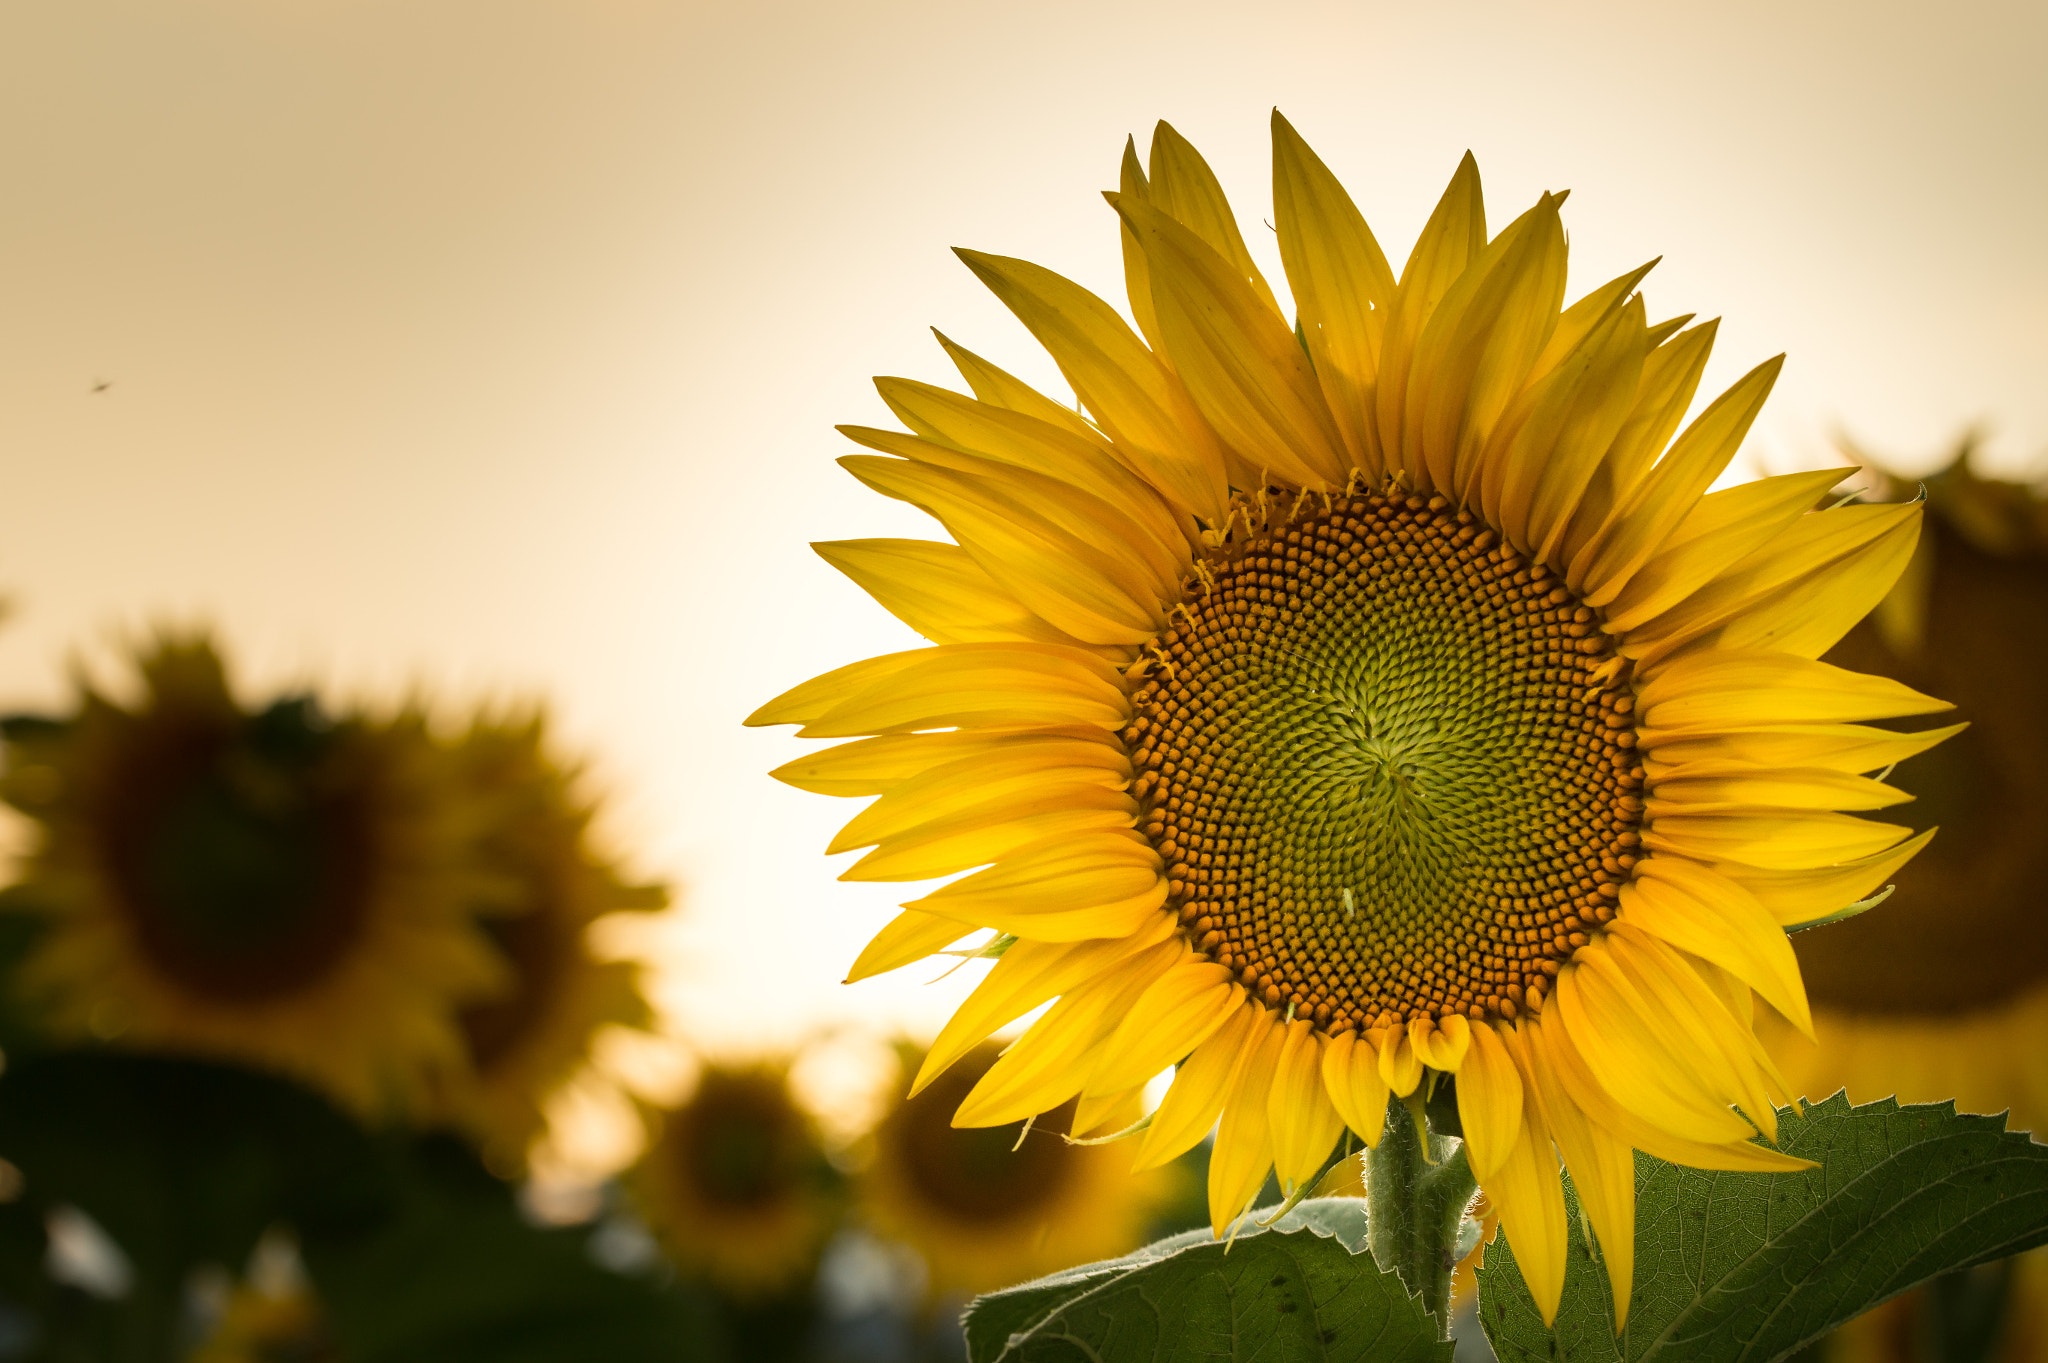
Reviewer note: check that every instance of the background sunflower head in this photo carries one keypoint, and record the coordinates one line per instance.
(1945, 992)
(265, 885)
(547, 884)
(989, 1206)
(736, 1186)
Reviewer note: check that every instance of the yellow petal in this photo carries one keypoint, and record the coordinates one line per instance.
(1241, 364)
(1668, 493)
(1351, 1076)
(1489, 1102)
(1107, 1113)
(980, 836)
(873, 766)
(1117, 917)
(1611, 368)
(980, 685)
(1195, 1098)
(1848, 748)
(1026, 442)
(1813, 614)
(1603, 1173)
(1529, 1196)
(1014, 773)
(1705, 913)
(1183, 1008)
(938, 590)
(910, 936)
(1341, 283)
(1548, 447)
(1051, 547)
(1640, 1056)
(1186, 190)
(1722, 530)
(1304, 1124)
(1475, 352)
(1443, 1045)
(1134, 398)
(1723, 1049)
(1586, 316)
(1792, 840)
(1243, 1153)
(1046, 1065)
(816, 697)
(1454, 235)
(1400, 1067)
(1098, 885)
(1132, 184)
(1796, 897)
(1028, 974)
(1556, 1050)
(1725, 688)
(1782, 788)
(1671, 375)
(1003, 389)
(1779, 583)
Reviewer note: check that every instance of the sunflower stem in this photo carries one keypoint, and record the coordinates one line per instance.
(1417, 1187)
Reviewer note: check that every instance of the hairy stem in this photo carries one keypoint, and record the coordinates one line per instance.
(1417, 1186)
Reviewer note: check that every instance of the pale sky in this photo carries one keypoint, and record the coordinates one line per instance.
(491, 349)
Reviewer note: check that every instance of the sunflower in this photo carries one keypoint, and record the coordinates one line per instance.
(550, 887)
(985, 1207)
(1349, 703)
(736, 1185)
(1945, 993)
(259, 886)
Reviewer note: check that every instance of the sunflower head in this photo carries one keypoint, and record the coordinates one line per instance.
(736, 1184)
(265, 885)
(548, 885)
(989, 1206)
(1344, 702)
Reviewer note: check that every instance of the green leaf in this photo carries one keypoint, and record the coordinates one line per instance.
(418, 1255)
(1301, 1289)
(456, 1275)
(1750, 1267)
(183, 1163)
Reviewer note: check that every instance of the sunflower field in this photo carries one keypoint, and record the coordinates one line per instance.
(1442, 864)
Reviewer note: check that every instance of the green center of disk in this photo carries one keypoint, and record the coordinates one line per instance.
(1388, 764)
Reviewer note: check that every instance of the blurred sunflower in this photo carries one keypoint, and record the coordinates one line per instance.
(261, 886)
(550, 886)
(736, 1185)
(1945, 993)
(1358, 700)
(985, 1208)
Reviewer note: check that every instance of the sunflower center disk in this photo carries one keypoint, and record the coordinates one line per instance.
(1388, 765)
(241, 866)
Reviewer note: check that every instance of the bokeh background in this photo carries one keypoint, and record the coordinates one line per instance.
(490, 349)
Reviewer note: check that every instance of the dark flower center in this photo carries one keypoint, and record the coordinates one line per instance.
(240, 850)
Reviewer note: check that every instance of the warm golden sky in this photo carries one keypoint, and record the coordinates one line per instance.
(493, 348)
